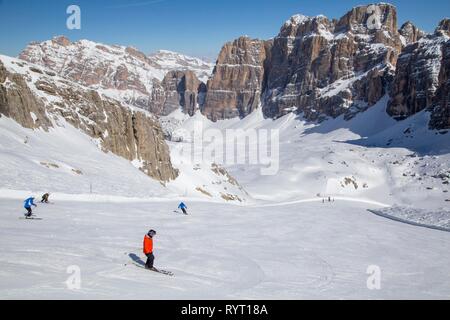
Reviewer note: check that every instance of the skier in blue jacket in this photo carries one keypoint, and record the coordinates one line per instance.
(27, 205)
(183, 208)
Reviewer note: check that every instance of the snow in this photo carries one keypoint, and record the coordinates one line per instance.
(309, 250)
(296, 20)
(38, 162)
(281, 239)
(439, 220)
(371, 157)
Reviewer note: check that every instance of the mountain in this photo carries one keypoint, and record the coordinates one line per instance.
(66, 136)
(41, 100)
(124, 73)
(315, 69)
(422, 79)
(322, 68)
(173, 61)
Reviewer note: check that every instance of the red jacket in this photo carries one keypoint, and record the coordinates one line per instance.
(148, 245)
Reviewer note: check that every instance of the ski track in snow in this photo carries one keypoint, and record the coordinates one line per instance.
(292, 251)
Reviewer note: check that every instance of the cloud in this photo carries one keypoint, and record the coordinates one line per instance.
(135, 4)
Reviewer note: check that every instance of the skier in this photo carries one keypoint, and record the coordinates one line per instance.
(45, 198)
(27, 205)
(183, 208)
(148, 250)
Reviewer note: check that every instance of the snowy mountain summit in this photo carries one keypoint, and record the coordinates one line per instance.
(169, 60)
(122, 72)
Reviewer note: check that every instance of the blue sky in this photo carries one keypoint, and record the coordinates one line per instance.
(195, 27)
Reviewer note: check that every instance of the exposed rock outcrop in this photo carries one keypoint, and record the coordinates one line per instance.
(315, 66)
(410, 33)
(19, 103)
(43, 102)
(235, 88)
(443, 28)
(182, 88)
(440, 116)
(325, 68)
(421, 79)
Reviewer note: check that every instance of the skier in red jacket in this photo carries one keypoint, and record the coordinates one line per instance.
(148, 249)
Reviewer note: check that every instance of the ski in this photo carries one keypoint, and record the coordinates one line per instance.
(164, 272)
(31, 218)
(167, 273)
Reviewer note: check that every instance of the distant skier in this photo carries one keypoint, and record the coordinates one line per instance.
(45, 198)
(27, 205)
(183, 208)
(148, 249)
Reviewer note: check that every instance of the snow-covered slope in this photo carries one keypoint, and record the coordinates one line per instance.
(284, 241)
(369, 157)
(75, 137)
(66, 160)
(169, 60)
(220, 251)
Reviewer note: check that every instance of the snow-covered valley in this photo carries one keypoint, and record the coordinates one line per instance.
(314, 165)
(284, 240)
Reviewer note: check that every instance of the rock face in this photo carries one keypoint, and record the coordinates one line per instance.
(315, 66)
(124, 73)
(410, 33)
(323, 68)
(421, 79)
(19, 103)
(236, 85)
(39, 99)
(327, 68)
(440, 117)
(444, 28)
(182, 88)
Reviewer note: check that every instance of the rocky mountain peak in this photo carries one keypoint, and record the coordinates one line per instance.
(124, 73)
(315, 65)
(62, 41)
(234, 89)
(300, 25)
(357, 20)
(182, 89)
(410, 33)
(444, 27)
(421, 79)
(36, 97)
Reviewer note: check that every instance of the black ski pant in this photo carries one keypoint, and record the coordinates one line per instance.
(30, 212)
(150, 260)
(184, 210)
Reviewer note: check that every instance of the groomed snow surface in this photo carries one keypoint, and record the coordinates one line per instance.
(299, 251)
(282, 242)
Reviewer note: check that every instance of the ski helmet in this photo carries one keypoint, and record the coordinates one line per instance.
(151, 233)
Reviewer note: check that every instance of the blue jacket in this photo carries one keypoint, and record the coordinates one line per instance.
(28, 203)
(182, 206)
